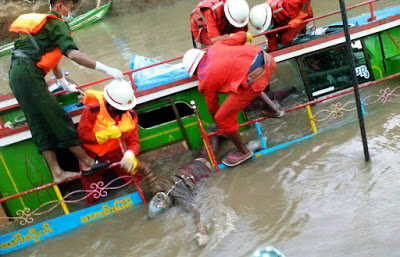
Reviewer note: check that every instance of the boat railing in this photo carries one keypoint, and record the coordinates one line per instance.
(370, 3)
(385, 96)
(97, 190)
(130, 72)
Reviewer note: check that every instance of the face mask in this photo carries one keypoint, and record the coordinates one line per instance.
(70, 16)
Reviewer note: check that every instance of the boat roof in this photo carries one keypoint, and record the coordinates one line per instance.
(379, 14)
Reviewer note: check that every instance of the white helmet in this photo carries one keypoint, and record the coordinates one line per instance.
(191, 60)
(237, 12)
(260, 17)
(120, 95)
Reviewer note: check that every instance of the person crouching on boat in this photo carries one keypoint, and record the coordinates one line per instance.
(243, 71)
(44, 38)
(108, 121)
(181, 187)
(213, 20)
(279, 13)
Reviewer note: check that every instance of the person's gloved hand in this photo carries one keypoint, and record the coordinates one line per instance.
(115, 73)
(66, 85)
(129, 162)
(103, 136)
(296, 22)
(249, 37)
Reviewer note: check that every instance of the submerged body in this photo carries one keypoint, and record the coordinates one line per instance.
(181, 188)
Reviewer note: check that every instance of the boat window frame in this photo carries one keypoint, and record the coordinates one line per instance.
(163, 106)
(304, 74)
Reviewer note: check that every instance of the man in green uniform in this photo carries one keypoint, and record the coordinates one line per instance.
(50, 125)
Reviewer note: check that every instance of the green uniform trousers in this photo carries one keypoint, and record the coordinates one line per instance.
(50, 125)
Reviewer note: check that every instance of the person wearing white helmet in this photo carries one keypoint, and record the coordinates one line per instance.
(243, 71)
(213, 20)
(108, 118)
(279, 13)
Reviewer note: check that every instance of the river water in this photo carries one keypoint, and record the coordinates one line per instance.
(315, 198)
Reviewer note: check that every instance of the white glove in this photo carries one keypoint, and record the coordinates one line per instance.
(115, 73)
(66, 85)
(129, 162)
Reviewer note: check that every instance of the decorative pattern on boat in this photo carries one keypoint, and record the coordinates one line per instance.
(35, 233)
(98, 190)
(338, 109)
(386, 96)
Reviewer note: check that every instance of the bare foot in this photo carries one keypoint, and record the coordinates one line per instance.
(64, 176)
(87, 165)
(273, 115)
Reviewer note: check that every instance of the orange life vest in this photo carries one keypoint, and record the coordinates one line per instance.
(32, 23)
(104, 121)
(217, 8)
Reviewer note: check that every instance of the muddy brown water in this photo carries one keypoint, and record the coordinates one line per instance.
(315, 198)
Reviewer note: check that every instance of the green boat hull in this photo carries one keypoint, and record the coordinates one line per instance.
(29, 169)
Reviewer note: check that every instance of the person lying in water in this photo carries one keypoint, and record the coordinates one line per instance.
(180, 188)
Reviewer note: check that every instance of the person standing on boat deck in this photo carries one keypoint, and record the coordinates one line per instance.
(108, 118)
(280, 13)
(243, 71)
(213, 20)
(44, 39)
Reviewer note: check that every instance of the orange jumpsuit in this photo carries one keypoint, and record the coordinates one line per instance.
(208, 21)
(224, 69)
(283, 11)
(85, 131)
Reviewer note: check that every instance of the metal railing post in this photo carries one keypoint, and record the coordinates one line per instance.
(371, 8)
(204, 136)
(311, 119)
(135, 181)
(260, 135)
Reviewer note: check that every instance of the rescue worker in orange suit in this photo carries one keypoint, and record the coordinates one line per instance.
(107, 120)
(213, 20)
(278, 13)
(243, 72)
(44, 39)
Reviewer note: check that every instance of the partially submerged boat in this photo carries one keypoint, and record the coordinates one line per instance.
(78, 22)
(166, 115)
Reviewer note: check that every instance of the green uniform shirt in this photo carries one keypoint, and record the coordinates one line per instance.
(54, 34)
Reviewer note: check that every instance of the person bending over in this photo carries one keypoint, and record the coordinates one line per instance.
(213, 20)
(243, 72)
(44, 38)
(274, 14)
